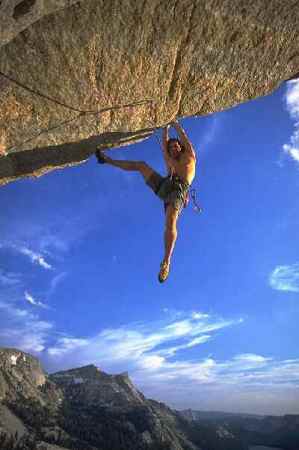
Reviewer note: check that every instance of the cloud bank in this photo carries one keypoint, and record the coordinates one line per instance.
(158, 359)
(163, 360)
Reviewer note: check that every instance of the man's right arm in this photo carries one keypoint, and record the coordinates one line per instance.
(165, 138)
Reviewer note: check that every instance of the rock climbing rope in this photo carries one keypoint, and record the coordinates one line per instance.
(67, 106)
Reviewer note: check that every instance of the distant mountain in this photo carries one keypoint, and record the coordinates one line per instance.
(191, 414)
(87, 409)
(273, 431)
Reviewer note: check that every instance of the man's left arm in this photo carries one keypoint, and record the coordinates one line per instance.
(184, 139)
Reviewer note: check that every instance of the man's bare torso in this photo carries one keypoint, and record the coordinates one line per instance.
(184, 167)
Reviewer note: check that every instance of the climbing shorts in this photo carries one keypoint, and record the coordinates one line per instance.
(172, 190)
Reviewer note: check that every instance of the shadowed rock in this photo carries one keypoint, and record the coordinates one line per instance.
(38, 161)
(23, 8)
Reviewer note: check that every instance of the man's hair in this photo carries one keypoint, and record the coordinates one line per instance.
(174, 140)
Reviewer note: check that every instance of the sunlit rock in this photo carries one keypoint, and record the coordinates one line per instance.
(187, 58)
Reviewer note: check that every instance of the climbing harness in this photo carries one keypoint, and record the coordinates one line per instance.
(65, 105)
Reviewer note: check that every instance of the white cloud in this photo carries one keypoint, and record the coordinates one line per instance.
(147, 351)
(292, 98)
(30, 299)
(196, 341)
(292, 151)
(133, 343)
(67, 344)
(250, 357)
(22, 329)
(151, 362)
(292, 103)
(199, 315)
(156, 356)
(34, 257)
(285, 278)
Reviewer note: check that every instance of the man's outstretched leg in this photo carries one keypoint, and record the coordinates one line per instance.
(131, 166)
(170, 236)
(172, 214)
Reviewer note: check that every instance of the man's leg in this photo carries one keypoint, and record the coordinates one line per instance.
(131, 166)
(170, 236)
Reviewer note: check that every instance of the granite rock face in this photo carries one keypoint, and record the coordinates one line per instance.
(20, 374)
(17, 15)
(189, 57)
(90, 385)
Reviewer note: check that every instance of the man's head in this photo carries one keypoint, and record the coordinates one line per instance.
(174, 148)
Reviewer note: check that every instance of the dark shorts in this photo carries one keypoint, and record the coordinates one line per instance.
(172, 191)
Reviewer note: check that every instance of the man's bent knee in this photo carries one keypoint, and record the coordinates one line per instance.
(145, 169)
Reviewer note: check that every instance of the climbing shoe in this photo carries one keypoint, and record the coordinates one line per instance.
(164, 272)
(100, 156)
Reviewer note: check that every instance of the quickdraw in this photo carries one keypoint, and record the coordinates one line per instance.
(196, 205)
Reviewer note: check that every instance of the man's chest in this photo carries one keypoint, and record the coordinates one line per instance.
(182, 163)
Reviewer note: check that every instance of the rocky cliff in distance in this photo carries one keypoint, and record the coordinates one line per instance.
(189, 57)
(19, 373)
(103, 389)
(87, 409)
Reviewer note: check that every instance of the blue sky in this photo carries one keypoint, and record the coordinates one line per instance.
(80, 251)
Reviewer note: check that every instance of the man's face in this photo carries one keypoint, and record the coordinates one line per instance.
(174, 149)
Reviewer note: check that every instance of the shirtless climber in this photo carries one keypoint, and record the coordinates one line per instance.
(173, 189)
